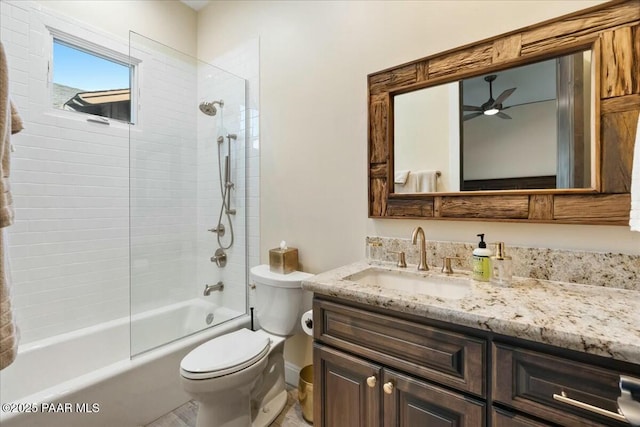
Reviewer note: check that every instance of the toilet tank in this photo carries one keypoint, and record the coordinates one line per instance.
(279, 300)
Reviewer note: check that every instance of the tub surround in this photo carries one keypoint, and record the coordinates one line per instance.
(595, 320)
(106, 375)
(609, 270)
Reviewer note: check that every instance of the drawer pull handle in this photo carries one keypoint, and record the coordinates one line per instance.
(371, 381)
(388, 387)
(562, 397)
(628, 406)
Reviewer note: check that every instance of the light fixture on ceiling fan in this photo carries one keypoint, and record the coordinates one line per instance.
(493, 107)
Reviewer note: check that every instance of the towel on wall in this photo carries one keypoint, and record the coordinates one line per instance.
(419, 182)
(634, 217)
(400, 177)
(426, 181)
(10, 124)
(8, 330)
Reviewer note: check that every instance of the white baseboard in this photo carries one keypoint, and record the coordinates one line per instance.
(291, 373)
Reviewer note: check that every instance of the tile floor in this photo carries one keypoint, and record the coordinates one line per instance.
(185, 416)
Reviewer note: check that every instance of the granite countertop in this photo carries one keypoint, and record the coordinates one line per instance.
(592, 319)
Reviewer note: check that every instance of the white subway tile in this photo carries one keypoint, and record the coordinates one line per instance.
(78, 231)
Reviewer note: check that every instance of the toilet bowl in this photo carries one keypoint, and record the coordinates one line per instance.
(238, 378)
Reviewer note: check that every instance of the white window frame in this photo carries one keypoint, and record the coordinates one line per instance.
(101, 52)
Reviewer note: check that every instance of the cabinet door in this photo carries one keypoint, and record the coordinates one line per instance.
(347, 390)
(409, 402)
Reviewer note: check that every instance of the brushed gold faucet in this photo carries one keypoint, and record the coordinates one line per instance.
(418, 234)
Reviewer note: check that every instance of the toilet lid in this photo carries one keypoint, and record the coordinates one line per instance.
(264, 275)
(225, 354)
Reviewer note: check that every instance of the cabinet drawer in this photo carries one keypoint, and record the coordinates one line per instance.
(528, 380)
(501, 418)
(449, 358)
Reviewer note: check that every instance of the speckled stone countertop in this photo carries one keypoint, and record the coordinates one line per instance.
(591, 319)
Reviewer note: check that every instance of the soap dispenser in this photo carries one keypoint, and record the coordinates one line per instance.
(502, 266)
(481, 261)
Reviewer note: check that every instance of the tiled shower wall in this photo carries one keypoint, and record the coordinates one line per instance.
(69, 247)
(243, 61)
(163, 174)
(69, 244)
(217, 85)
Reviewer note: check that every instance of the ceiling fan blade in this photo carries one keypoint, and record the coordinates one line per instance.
(471, 116)
(503, 115)
(504, 95)
(471, 108)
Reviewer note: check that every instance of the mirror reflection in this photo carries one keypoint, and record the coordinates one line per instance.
(528, 127)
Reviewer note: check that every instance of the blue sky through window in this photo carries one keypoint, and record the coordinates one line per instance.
(82, 70)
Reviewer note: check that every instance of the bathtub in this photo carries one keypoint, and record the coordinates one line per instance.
(86, 378)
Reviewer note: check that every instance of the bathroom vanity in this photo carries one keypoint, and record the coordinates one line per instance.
(393, 347)
(535, 353)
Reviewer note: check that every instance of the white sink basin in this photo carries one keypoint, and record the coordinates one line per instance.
(436, 286)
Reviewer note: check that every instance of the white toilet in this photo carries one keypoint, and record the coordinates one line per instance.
(238, 378)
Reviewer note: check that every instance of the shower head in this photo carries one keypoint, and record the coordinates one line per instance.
(209, 108)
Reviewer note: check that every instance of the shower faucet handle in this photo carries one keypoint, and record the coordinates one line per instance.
(220, 258)
(219, 230)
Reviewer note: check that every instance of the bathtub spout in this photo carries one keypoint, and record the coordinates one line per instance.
(210, 288)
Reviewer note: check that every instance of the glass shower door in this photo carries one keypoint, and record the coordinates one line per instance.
(187, 184)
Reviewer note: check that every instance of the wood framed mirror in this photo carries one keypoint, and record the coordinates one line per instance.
(610, 33)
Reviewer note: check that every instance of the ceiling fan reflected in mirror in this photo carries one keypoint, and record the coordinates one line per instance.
(493, 107)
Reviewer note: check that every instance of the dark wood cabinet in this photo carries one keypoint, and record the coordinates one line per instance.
(409, 402)
(449, 358)
(342, 396)
(502, 418)
(375, 367)
(357, 393)
(554, 388)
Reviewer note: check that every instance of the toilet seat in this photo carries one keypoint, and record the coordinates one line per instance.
(225, 355)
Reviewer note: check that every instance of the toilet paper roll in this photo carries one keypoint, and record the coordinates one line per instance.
(307, 322)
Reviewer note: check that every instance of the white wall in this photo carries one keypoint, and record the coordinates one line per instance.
(167, 21)
(520, 147)
(421, 132)
(314, 59)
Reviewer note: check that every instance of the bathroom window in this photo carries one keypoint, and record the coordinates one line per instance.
(91, 80)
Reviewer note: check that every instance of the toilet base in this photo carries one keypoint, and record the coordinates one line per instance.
(229, 411)
(269, 412)
(252, 397)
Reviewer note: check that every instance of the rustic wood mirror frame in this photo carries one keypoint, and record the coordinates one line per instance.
(612, 30)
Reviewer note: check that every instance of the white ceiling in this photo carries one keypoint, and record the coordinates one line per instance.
(196, 4)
